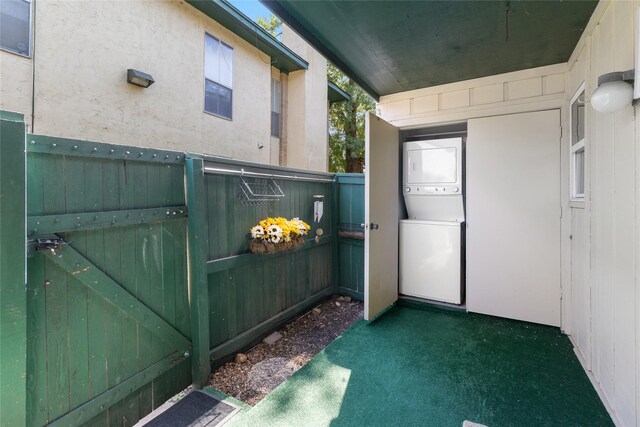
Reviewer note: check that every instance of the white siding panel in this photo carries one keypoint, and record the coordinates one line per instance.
(624, 208)
(580, 295)
(527, 88)
(396, 109)
(603, 255)
(553, 84)
(487, 94)
(457, 99)
(424, 104)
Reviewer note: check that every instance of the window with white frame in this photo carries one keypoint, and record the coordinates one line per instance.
(218, 77)
(15, 26)
(276, 107)
(577, 148)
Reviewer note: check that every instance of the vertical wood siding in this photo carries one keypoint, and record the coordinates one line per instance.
(604, 322)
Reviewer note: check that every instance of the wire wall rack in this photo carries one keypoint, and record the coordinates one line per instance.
(255, 191)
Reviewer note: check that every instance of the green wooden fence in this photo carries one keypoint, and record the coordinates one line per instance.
(350, 188)
(113, 322)
(107, 314)
(250, 294)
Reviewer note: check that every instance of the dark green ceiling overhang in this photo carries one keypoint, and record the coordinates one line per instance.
(395, 46)
(235, 21)
(335, 94)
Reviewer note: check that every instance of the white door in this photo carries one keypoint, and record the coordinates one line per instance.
(513, 216)
(380, 215)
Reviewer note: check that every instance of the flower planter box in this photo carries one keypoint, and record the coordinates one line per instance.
(264, 247)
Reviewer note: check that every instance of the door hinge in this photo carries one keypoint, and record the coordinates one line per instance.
(560, 131)
(560, 211)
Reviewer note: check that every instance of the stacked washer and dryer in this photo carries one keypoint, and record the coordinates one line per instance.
(431, 239)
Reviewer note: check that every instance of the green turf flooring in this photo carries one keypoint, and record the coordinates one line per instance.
(430, 367)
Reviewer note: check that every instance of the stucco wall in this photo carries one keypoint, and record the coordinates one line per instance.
(15, 84)
(84, 49)
(82, 52)
(307, 130)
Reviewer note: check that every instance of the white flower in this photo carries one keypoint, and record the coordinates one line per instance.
(257, 232)
(275, 233)
(301, 227)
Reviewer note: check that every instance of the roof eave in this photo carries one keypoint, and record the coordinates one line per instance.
(336, 94)
(235, 21)
(277, 9)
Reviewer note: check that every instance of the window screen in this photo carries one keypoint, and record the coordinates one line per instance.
(15, 26)
(218, 77)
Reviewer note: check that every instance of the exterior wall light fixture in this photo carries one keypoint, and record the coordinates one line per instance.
(614, 92)
(139, 78)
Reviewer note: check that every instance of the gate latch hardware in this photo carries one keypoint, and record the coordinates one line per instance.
(45, 243)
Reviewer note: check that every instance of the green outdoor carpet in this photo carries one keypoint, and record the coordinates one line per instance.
(431, 367)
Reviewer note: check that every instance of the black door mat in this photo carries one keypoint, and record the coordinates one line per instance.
(196, 409)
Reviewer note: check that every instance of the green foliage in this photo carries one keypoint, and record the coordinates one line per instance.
(346, 124)
(272, 24)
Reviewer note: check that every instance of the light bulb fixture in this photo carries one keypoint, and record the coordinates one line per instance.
(139, 78)
(614, 92)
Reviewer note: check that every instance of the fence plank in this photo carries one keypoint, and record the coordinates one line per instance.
(198, 244)
(37, 403)
(13, 298)
(78, 334)
(57, 341)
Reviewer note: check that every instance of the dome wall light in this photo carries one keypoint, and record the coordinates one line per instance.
(614, 92)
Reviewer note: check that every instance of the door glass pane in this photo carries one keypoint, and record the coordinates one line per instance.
(577, 119)
(579, 172)
(15, 17)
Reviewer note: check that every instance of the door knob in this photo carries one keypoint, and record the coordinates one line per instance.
(374, 226)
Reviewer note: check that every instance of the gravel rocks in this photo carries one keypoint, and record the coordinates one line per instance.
(266, 366)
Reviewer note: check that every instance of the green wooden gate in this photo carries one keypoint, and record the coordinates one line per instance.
(108, 327)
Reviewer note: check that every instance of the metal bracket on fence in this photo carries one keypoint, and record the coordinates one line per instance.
(49, 242)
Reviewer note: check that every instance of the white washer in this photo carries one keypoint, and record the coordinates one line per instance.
(430, 260)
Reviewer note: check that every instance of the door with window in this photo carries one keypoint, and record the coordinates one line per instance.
(580, 286)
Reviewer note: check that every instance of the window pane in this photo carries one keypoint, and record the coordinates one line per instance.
(577, 119)
(276, 96)
(212, 59)
(217, 99)
(15, 16)
(579, 172)
(275, 124)
(226, 66)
